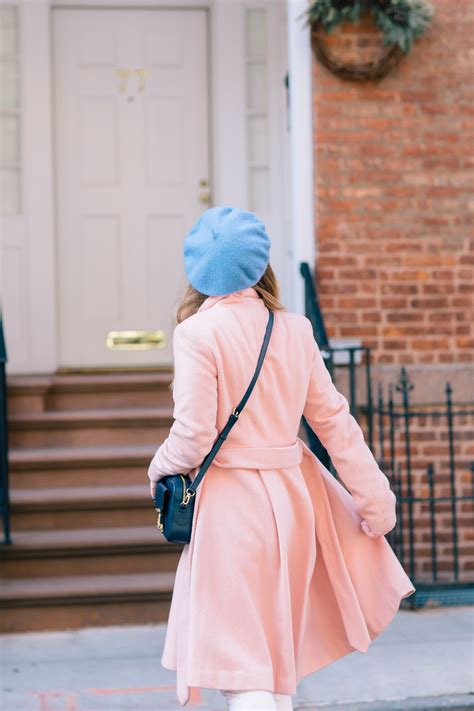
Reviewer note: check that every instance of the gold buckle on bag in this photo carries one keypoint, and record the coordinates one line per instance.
(159, 523)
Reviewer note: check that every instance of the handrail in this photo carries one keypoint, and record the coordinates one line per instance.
(314, 313)
(312, 308)
(4, 490)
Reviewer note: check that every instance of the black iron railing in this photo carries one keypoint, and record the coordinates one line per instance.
(312, 308)
(427, 537)
(4, 491)
(314, 313)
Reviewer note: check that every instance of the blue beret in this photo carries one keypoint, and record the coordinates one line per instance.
(226, 250)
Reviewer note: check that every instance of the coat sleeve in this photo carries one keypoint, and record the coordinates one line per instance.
(327, 412)
(194, 430)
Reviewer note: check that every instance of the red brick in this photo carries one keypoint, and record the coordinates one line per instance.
(394, 170)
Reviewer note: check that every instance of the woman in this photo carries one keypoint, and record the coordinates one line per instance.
(286, 571)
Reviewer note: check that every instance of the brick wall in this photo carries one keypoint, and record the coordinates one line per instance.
(393, 173)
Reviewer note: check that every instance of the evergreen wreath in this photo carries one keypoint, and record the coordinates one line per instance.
(401, 22)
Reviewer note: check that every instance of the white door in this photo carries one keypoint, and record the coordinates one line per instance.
(132, 175)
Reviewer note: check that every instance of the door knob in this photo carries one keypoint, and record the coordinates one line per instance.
(205, 197)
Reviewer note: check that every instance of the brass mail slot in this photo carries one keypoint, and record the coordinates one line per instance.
(136, 340)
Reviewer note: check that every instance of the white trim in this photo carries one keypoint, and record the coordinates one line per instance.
(31, 235)
(39, 204)
(301, 145)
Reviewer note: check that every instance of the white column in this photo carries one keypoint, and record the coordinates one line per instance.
(38, 182)
(301, 145)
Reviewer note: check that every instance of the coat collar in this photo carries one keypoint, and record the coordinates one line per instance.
(248, 293)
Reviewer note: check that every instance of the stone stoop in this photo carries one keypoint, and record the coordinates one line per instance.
(85, 548)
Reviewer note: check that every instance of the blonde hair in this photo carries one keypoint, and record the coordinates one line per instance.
(267, 288)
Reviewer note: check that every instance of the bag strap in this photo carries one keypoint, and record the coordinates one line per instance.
(191, 490)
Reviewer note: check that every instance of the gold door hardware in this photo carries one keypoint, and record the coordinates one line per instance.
(143, 75)
(135, 340)
(205, 195)
(124, 75)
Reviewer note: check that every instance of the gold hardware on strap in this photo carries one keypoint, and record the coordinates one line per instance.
(234, 412)
(184, 488)
(187, 496)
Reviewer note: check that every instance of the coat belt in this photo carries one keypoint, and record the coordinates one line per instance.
(260, 457)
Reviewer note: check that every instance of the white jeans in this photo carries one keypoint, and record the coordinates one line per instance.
(257, 700)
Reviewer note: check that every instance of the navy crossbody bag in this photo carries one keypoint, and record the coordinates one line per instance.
(175, 493)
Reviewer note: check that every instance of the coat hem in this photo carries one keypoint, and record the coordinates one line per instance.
(212, 679)
(315, 666)
(266, 681)
(240, 681)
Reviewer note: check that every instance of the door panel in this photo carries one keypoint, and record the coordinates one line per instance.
(131, 102)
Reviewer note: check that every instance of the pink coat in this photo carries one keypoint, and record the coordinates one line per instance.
(278, 579)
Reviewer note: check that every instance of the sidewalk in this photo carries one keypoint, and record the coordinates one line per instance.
(423, 660)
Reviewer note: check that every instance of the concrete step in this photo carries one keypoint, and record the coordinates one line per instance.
(36, 467)
(72, 602)
(75, 428)
(59, 391)
(89, 551)
(79, 507)
(85, 547)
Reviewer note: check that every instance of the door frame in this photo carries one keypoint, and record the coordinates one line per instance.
(38, 147)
